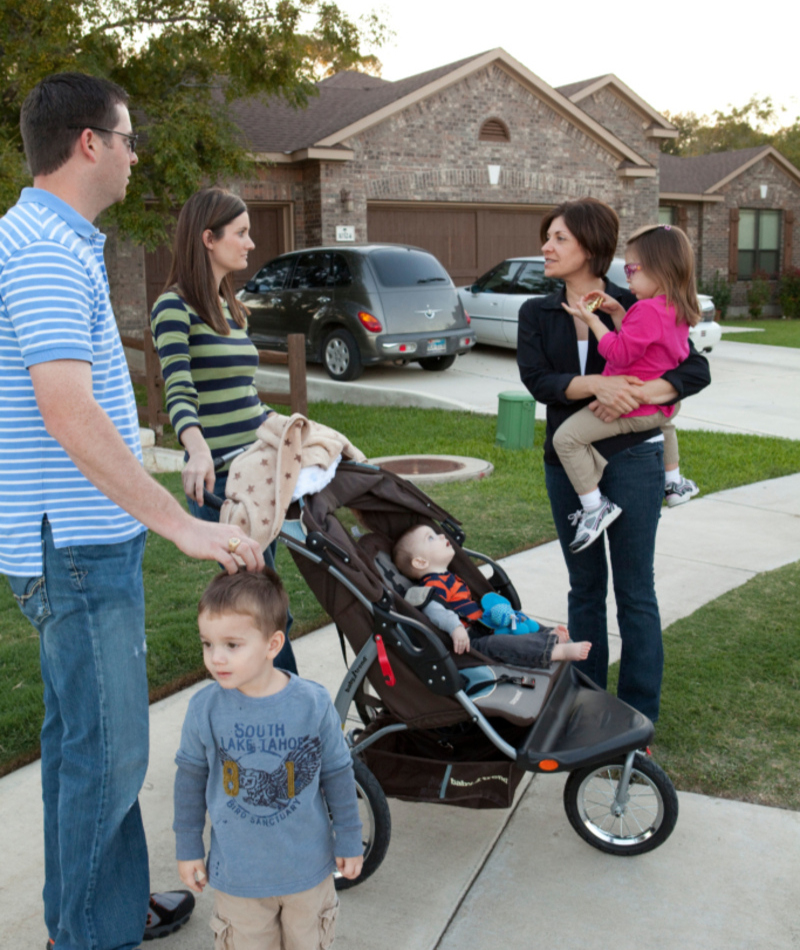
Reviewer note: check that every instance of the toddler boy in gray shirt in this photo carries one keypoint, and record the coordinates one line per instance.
(260, 748)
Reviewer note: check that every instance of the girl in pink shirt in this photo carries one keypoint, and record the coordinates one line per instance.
(649, 340)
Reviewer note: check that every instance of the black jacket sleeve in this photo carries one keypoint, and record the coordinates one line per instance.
(544, 382)
(691, 376)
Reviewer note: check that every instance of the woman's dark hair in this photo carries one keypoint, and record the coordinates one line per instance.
(260, 596)
(58, 109)
(190, 272)
(594, 225)
(667, 258)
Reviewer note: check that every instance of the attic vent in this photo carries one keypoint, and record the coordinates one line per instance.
(493, 130)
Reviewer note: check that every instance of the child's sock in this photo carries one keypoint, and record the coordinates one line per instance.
(591, 500)
(673, 476)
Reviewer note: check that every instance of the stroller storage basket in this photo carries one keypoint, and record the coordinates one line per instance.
(442, 767)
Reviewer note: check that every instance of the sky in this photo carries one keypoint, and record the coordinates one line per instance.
(680, 56)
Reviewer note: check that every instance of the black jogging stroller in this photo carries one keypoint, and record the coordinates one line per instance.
(459, 729)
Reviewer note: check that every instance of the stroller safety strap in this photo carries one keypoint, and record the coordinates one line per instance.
(383, 660)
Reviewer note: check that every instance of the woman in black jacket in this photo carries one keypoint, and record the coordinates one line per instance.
(560, 365)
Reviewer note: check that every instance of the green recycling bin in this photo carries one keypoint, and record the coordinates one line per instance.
(516, 416)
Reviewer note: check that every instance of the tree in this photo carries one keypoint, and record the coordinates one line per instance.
(787, 142)
(743, 127)
(182, 62)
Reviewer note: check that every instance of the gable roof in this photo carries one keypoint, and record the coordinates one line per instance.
(659, 126)
(345, 98)
(705, 174)
(574, 87)
(349, 103)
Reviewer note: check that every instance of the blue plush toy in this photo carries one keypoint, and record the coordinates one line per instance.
(498, 615)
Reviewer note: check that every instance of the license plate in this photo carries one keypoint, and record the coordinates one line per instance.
(437, 346)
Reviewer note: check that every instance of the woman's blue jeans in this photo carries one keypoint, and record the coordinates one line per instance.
(634, 480)
(88, 607)
(285, 660)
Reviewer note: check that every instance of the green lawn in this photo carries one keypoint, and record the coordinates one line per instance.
(774, 332)
(504, 513)
(730, 711)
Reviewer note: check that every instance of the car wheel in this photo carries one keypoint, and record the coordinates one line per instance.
(435, 364)
(340, 356)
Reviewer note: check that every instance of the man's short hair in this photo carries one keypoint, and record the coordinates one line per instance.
(58, 109)
(262, 597)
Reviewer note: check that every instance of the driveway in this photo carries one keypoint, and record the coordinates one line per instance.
(755, 389)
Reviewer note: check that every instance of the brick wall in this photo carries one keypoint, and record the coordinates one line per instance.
(614, 113)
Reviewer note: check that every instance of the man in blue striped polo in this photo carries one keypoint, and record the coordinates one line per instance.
(75, 503)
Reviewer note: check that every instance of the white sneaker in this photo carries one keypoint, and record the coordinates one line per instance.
(678, 493)
(591, 524)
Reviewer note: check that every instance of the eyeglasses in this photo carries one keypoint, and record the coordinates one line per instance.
(132, 137)
(631, 269)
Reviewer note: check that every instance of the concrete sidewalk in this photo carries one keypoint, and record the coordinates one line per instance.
(725, 880)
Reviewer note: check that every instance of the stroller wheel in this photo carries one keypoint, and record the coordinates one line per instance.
(373, 809)
(643, 822)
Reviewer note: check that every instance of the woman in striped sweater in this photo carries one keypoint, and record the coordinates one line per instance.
(207, 358)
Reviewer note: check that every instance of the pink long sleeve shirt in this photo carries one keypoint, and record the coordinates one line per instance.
(648, 344)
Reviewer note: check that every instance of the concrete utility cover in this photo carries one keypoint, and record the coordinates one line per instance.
(429, 469)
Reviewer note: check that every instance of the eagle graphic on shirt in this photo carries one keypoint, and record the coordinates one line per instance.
(277, 788)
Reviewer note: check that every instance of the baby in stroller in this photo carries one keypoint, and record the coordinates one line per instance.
(423, 555)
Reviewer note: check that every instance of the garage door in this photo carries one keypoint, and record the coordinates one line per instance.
(468, 240)
(267, 228)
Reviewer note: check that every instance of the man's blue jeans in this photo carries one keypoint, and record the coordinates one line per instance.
(88, 608)
(634, 480)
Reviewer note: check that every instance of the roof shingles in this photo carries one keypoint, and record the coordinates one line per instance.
(695, 175)
(274, 126)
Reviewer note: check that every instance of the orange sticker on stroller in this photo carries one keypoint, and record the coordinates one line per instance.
(383, 659)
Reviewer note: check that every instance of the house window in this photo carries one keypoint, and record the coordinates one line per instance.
(667, 214)
(759, 242)
(493, 130)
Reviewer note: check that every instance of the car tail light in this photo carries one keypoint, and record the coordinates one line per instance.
(370, 322)
(466, 341)
(469, 318)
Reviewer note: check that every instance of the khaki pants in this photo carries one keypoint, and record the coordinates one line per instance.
(304, 921)
(583, 464)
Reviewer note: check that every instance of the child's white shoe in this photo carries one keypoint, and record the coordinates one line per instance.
(678, 493)
(592, 523)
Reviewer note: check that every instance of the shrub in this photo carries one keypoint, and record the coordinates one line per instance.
(758, 293)
(789, 292)
(719, 290)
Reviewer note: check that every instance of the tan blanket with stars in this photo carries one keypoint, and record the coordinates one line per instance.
(262, 479)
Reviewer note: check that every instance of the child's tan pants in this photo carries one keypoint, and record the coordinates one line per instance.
(304, 921)
(584, 464)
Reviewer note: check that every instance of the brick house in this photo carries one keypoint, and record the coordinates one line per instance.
(463, 160)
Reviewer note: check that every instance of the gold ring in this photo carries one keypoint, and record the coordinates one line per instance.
(234, 543)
